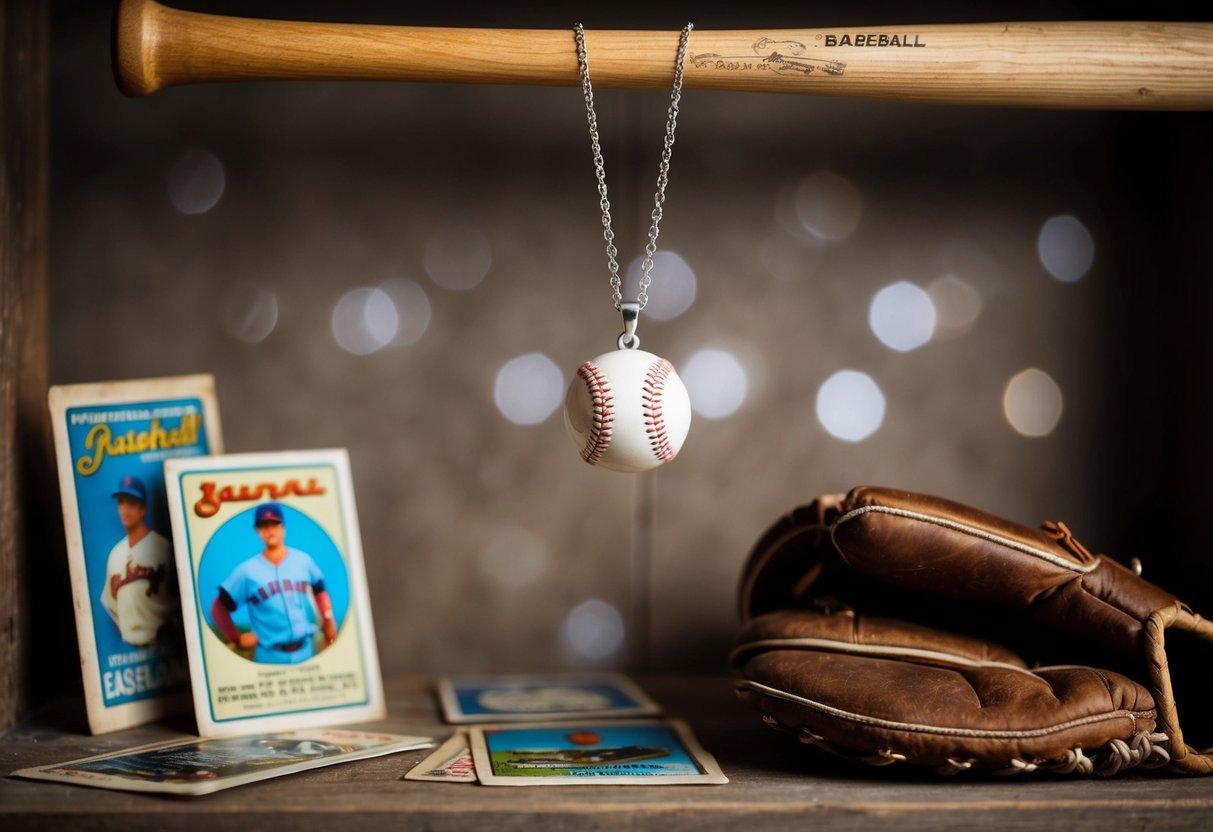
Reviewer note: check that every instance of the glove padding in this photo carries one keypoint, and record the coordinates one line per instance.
(897, 554)
(886, 691)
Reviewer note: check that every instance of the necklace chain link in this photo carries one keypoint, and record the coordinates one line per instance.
(663, 170)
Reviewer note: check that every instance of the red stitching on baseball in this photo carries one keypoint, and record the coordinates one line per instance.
(654, 419)
(603, 405)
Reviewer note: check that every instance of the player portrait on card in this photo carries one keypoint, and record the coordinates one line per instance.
(541, 697)
(648, 752)
(111, 441)
(202, 766)
(277, 618)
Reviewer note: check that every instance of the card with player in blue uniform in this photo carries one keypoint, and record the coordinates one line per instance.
(111, 440)
(275, 603)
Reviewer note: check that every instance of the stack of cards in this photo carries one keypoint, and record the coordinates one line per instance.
(595, 741)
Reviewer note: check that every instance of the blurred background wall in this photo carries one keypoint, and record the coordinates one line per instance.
(1004, 307)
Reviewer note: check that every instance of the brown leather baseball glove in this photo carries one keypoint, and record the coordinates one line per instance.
(889, 626)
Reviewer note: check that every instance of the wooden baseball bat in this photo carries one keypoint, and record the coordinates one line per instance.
(1160, 66)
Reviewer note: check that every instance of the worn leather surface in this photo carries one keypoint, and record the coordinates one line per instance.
(945, 697)
(848, 628)
(1084, 594)
(903, 608)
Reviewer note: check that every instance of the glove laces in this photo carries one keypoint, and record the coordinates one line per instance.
(1061, 533)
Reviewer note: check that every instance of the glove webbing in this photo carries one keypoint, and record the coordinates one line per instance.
(1183, 757)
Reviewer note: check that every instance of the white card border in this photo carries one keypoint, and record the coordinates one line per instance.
(453, 713)
(712, 775)
(375, 707)
(102, 718)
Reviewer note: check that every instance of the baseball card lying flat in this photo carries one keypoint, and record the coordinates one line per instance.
(647, 752)
(451, 762)
(201, 766)
(275, 603)
(525, 698)
(111, 440)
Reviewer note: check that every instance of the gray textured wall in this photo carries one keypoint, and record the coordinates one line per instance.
(482, 536)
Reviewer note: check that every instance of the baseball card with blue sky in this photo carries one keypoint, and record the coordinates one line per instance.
(111, 442)
(275, 604)
(639, 752)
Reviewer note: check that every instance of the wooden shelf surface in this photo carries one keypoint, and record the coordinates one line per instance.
(775, 784)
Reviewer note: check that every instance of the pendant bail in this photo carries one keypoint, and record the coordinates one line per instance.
(628, 339)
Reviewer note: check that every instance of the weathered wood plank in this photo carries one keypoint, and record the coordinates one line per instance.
(24, 430)
(775, 784)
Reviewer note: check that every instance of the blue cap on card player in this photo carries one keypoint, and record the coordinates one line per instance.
(131, 486)
(267, 513)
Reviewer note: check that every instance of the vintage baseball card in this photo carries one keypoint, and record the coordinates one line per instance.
(524, 698)
(275, 603)
(111, 441)
(201, 766)
(451, 762)
(646, 752)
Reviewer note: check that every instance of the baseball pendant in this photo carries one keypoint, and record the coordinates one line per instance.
(627, 410)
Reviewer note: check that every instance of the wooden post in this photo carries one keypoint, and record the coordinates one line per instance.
(26, 470)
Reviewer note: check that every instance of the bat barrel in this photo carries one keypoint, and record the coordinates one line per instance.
(1105, 65)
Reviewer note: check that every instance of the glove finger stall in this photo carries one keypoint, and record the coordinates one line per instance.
(932, 545)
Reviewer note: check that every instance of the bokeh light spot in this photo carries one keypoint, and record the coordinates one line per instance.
(1066, 248)
(594, 630)
(902, 316)
(196, 181)
(957, 305)
(248, 312)
(716, 381)
(412, 307)
(828, 206)
(673, 289)
(529, 388)
(850, 405)
(364, 320)
(1032, 403)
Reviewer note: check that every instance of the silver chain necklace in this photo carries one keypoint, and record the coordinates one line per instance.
(627, 410)
(629, 338)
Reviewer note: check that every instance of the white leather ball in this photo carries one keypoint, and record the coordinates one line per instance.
(628, 411)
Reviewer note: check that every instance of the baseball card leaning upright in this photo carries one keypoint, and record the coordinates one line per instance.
(275, 604)
(111, 441)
